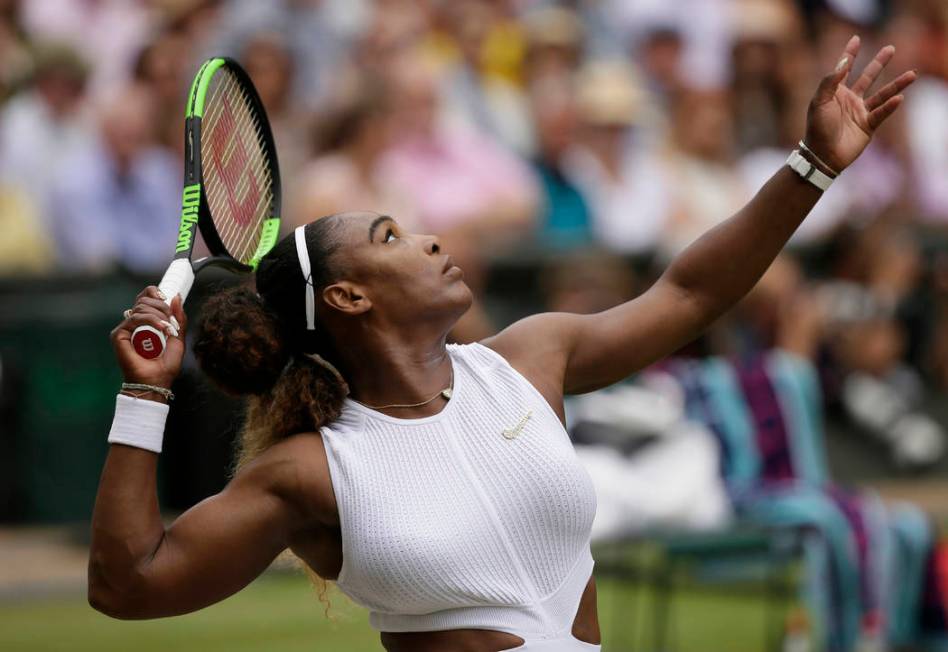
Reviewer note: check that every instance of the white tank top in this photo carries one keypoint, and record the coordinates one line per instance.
(447, 523)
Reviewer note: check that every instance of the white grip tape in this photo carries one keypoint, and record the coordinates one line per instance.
(177, 280)
(138, 422)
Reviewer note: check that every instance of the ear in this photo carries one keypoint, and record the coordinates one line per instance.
(347, 298)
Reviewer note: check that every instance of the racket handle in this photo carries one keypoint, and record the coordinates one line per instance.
(148, 341)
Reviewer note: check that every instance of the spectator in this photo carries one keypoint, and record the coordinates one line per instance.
(708, 188)
(316, 35)
(41, 125)
(351, 139)
(270, 65)
(163, 66)
(467, 189)
(765, 35)
(115, 200)
(479, 92)
(564, 214)
(555, 39)
(628, 198)
(919, 33)
(15, 57)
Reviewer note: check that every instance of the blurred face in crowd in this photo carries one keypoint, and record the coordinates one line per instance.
(755, 61)
(163, 67)
(703, 125)
(660, 57)
(415, 101)
(270, 66)
(61, 90)
(470, 21)
(406, 277)
(554, 116)
(128, 124)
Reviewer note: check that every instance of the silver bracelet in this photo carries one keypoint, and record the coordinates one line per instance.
(163, 391)
(818, 159)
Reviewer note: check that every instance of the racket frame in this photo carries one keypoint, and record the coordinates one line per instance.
(149, 342)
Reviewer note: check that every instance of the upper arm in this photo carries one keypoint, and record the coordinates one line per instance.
(223, 543)
(582, 353)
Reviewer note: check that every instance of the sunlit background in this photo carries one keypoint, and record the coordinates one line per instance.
(779, 485)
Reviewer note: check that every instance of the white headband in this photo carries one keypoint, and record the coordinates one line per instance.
(303, 254)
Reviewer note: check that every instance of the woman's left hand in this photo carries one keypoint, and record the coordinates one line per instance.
(841, 119)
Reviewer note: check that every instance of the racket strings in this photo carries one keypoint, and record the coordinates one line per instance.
(250, 122)
(233, 129)
(235, 232)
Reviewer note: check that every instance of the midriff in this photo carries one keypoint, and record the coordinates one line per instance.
(585, 628)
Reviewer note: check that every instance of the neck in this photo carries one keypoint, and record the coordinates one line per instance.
(385, 369)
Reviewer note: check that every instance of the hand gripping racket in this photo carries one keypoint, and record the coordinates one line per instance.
(231, 185)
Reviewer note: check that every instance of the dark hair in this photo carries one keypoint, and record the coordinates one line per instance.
(255, 344)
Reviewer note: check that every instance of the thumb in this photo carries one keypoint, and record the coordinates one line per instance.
(828, 85)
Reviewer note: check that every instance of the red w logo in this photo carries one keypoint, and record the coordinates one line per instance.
(233, 166)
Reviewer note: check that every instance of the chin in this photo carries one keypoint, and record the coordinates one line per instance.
(467, 295)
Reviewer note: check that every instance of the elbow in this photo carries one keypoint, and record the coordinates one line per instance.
(104, 602)
(107, 601)
(114, 599)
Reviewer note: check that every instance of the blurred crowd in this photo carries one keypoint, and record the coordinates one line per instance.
(519, 129)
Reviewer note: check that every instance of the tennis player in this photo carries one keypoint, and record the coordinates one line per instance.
(434, 482)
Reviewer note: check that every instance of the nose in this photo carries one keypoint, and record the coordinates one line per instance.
(432, 245)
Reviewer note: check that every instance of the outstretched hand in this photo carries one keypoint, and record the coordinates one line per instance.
(841, 119)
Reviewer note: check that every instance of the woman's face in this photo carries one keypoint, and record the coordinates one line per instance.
(407, 278)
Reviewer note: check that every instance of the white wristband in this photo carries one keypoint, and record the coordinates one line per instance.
(808, 171)
(139, 423)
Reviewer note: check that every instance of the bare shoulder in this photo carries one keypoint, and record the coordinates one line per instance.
(539, 348)
(544, 339)
(297, 471)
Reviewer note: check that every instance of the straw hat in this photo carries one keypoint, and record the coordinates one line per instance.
(553, 27)
(763, 20)
(610, 93)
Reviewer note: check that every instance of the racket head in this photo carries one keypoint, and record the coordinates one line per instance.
(231, 184)
(237, 183)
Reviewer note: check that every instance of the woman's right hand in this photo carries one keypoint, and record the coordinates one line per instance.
(151, 310)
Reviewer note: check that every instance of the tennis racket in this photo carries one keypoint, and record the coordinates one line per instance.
(231, 185)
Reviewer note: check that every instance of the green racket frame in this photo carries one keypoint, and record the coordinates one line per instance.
(194, 208)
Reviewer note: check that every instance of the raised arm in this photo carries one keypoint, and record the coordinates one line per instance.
(139, 569)
(582, 353)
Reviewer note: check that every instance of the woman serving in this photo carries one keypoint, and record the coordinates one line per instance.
(435, 483)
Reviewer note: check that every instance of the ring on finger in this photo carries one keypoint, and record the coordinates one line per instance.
(128, 313)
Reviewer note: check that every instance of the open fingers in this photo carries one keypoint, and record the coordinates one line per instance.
(882, 114)
(872, 71)
(890, 90)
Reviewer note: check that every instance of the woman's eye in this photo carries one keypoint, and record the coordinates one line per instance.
(389, 236)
